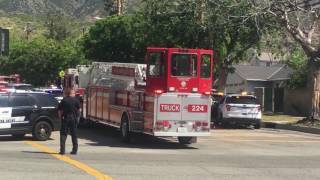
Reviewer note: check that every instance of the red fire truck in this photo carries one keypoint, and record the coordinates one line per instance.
(168, 96)
(76, 78)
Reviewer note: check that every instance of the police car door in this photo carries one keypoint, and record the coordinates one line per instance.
(5, 112)
(23, 110)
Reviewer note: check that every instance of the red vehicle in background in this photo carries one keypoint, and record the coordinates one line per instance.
(76, 78)
(5, 80)
(168, 96)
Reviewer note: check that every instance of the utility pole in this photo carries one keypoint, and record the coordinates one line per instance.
(114, 7)
(120, 7)
(200, 9)
(4, 41)
(28, 30)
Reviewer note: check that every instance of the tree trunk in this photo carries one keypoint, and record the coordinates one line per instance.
(314, 87)
(222, 79)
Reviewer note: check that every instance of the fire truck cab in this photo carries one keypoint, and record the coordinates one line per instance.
(168, 96)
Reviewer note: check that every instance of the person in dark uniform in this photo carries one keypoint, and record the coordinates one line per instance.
(69, 108)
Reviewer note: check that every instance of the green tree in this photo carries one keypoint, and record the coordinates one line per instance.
(301, 20)
(39, 60)
(113, 39)
(172, 23)
(298, 61)
(232, 30)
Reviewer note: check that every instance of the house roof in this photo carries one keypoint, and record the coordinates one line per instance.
(263, 73)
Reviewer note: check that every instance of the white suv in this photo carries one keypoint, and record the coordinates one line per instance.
(240, 110)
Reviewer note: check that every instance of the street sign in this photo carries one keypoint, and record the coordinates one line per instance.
(61, 74)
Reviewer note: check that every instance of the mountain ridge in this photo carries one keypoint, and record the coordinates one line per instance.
(81, 9)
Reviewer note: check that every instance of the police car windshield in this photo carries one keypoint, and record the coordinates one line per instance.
(241, 100)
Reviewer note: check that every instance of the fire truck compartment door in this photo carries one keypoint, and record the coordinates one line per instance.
(195, 107)
(169, 107)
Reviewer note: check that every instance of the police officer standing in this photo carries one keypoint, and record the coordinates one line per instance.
(69, 108)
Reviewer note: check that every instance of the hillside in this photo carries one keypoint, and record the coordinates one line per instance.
(82, 9)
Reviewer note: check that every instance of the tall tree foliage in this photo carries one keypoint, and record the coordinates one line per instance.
(171, 23)
(301, 19)
(114, 39)
(232, 29)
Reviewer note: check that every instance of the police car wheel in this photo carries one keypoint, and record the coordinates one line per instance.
(257, 125)
(124, 129)
(18, 136)
(42, 131)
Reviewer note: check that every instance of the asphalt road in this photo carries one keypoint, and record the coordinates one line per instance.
(227, 154)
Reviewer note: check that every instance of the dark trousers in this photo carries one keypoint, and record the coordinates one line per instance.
(68, 125)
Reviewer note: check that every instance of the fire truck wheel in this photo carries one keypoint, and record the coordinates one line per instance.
(186, 140)
(124, 129)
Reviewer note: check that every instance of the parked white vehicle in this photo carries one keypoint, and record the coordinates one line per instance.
(240, 110)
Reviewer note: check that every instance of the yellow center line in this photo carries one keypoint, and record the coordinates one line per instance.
(73, 162)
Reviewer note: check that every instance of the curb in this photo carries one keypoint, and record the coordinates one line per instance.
(290, 127)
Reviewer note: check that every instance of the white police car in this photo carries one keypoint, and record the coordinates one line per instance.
(239, 109)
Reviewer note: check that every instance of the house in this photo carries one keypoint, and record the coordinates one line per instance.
(266, 81)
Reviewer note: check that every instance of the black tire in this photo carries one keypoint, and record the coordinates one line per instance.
(221, 122)
(42, 131)
(18, 136)
(257, 125)
(186, 140)
(124, 129)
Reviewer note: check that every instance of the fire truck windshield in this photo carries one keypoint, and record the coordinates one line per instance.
(184, 65)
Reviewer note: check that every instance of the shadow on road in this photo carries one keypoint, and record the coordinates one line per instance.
(11, 138)
(101, 135)
(37, 152)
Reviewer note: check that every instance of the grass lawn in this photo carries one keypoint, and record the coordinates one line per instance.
(280, 118)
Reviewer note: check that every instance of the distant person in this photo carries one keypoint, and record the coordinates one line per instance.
(69, 109)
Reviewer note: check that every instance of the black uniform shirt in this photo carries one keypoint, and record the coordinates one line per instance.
(69, 105)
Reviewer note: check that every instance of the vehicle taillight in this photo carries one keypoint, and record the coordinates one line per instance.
(198, 123)
(201, 125)
(163, 125)
(205, 123)
(207, 93)
(158, 91)
(228, 107)
(172, 89)
(194, 90)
